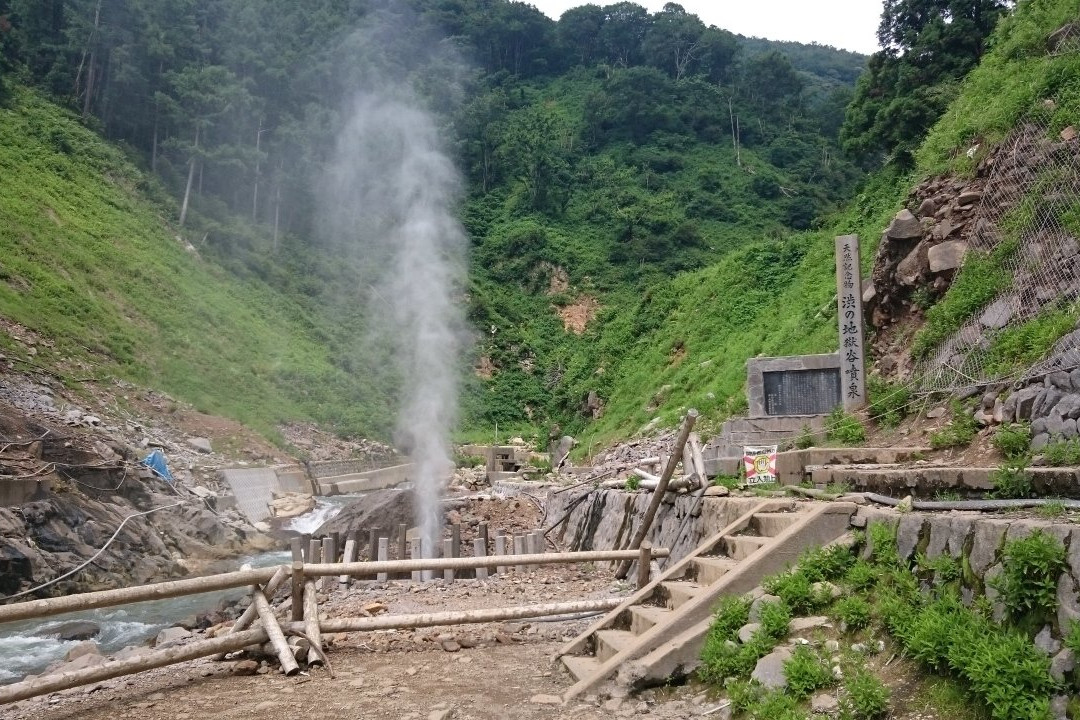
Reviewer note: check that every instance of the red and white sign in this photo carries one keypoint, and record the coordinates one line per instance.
(760, 464)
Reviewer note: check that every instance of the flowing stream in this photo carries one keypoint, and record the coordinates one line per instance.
(26, 647)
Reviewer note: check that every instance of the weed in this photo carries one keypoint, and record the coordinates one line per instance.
(1062, 452)
(794, 588)
(837, 488)
(946, 495)
(743, 694)
(958, 433)
(1012, 481)
(806, 672)
(946, 568)
(633, 483)
(1023, 345)
(923, 298)
(1013, 440)
(853, 611)
(1051, 509)
(861, 576)
(1072, 637)
(805, 438)
(775, 617)
(731, 482)
(827, 563)
(888, 402)
(866, 697)
(882, 539)
(844, 428)
(1029, 576)
(468, 461)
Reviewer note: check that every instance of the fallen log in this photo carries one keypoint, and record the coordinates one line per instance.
(252, 611)
(310, 624)
(109, 598)
(658, 495)
(273, 631)
(159, 658)
(367, 569)
(461, 617)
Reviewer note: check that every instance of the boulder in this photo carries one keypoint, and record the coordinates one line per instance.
(927, 208)
(380, 509)
(1067, 407)
(200, 444)
(292, 504)
(769, 671)
(998, 314)
(948, 255)
(171, 636)
(87, 647)
(912, 267)
(75, 631)
(1068, 134)
(969, 197)
(1025, 402)
(904, 226)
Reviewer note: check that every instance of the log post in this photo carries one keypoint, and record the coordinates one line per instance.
(296, 592)
(482, 533)
(273, 631)
(519, 549)
(699, 459)
(658, 494)
(402, 540)
(480, 550)
(500, 549)
(384, 552)
(644, 564)
(373, 544)
(350, 556)
(329, 555)
(305, 540)
(416, 550)
(311, 624)
(448, 550)
(455, 540)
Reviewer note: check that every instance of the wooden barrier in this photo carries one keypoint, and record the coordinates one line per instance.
(368, 569)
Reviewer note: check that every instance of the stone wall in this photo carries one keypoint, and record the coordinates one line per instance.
(979, 540)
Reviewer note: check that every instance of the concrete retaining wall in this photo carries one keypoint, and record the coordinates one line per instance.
(366, 481)
(607, 519)
(791, 466)
(331, 468)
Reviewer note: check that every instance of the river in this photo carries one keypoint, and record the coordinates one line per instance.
(26, 647)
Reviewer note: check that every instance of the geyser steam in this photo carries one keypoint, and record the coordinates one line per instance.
(389, 196)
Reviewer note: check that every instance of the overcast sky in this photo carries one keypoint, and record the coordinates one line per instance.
(849, 24)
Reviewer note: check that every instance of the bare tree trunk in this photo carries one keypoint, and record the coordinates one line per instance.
(190, 178)
(90, 75)
(255, 191)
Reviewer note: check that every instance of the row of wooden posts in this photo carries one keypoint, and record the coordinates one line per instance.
(258, 624)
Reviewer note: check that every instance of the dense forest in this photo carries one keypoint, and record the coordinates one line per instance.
(602, 153)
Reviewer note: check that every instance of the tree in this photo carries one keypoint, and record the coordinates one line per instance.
(673, 42)
(579, 33)
(623, 33)
(536, 143)
(927, 47)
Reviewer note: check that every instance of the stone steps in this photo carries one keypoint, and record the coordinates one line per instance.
(666, 621)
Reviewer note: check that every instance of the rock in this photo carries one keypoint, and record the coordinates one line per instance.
(755, 607)
(1062, 664)
(200, 444)
(949, 255)
(171, 636)
(1059, 707)
(1069, 429)
(927, 208)
(821, 588)
(824, 704)
(1067, 407)
(292, 504)
(747, 632)
(907, 534)
(1040, 441)
(905, 505)
(769, 670)
(1025, 402)
(1068, 134)
(545, 700)
(904, 226)
(969, 197)
(914, 265)
(72, 631)
(375, 608)
(81, 662)
(716, 491)
(87, 647)
(1046, 643)
(245, 667)
(380, 509)
(1046, 401)
(998, 314)
(450, 646)
(936, 413)
(802, 624)
(1061, 380)
(869, 292)
(443, 714)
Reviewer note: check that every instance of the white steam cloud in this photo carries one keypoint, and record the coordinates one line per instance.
(389, 199)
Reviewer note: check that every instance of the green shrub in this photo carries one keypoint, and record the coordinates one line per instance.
(958, 433)
(1013, 440)
(1021, 346)
(853, 611)
(743, 694)
(888, 402)
(945, 568)
(633, 483)
(731, 482)
(866, 697)
(1062, 452)
(827, 563)
(1029, 576)
(845, 428)
(806, 672)
(775, 617)
(794, 588)
(1052, 509)
(882, 539)
(861, 576)
(805, 439)
(468, 461)
(776, 706)
(1012, 481)
(1072, 637)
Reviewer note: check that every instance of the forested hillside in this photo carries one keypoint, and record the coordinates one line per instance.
(603, 154)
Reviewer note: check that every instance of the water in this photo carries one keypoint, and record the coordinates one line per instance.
(25, 648)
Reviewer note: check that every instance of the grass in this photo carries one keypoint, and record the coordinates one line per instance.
(89, 261)
(1021, 346)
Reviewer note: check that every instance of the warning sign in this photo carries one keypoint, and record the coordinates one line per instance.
(760, 464)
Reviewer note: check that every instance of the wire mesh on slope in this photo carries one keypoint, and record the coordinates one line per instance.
(1029, 213)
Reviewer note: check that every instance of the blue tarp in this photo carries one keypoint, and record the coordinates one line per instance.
(156, 462)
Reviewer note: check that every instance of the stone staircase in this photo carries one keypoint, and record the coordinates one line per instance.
(658, 632)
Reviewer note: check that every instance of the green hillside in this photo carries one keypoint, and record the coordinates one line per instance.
(90, 262)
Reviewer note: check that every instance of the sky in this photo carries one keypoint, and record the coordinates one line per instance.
(848, 24)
